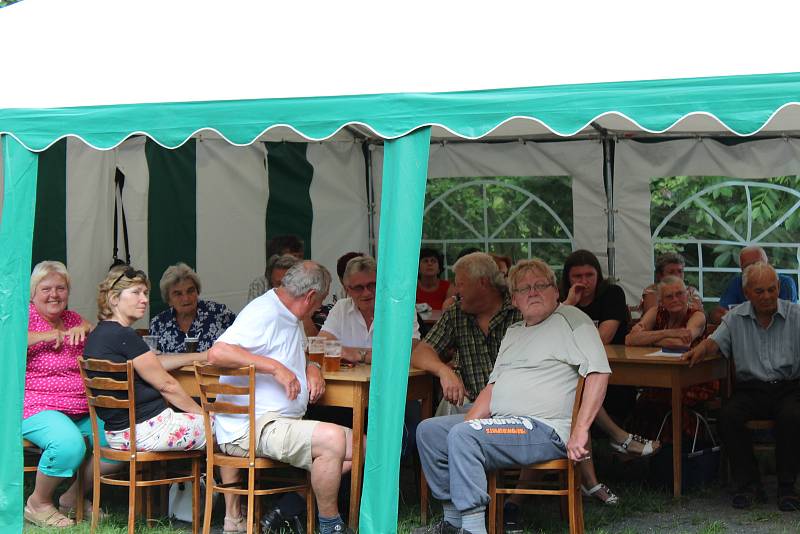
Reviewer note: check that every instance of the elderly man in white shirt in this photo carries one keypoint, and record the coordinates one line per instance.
(268, 333)
(351, 319)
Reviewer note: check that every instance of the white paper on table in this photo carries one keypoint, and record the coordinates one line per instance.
(667, 354)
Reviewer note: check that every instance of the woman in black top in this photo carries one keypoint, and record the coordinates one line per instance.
(583, 286)
(122, 299)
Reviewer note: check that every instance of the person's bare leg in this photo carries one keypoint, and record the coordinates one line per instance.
(233, 506)
(69, 498)
(42, 497)
(329, 447)
(618, 435)
(347, 463)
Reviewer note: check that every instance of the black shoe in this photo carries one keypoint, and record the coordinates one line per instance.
(341, 528)
(747, 496)
(273, 522)
(440, 527)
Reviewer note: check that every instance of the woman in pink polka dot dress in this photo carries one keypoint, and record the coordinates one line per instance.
(55, 413)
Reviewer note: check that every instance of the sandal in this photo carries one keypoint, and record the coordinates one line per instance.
(598, 493)
(69, 511)
(649, 446)
(234, 525)
(50, 518)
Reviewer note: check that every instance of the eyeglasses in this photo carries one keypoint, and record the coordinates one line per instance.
(537, 287)
(360, 288)
(129, 273)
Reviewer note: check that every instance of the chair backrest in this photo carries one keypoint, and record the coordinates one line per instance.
(95, 386)
(208, 379)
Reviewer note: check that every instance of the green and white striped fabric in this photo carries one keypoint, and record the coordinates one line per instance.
(207, 203)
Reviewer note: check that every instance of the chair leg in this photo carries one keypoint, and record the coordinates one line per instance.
(196, 495)
(132, 490)
(210, 488)
(310, 511)
(79, 482)
(251, 482)
(95, 495)
(149, 471)
(491, 479)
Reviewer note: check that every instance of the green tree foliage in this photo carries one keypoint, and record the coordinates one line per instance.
(499, 215)
(720, 220)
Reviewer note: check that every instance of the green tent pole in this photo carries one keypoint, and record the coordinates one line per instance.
(405, 170)
(16, 237)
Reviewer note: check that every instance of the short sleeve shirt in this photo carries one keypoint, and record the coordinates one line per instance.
(52, 379)
(762, 354)
(348, 325)
(116, 343)
(734, 294)
(610, 305)
(265, 327)
(537, 368)
(476, 352)
(211, 321)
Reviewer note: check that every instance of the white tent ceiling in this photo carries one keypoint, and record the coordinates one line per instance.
(89, 52)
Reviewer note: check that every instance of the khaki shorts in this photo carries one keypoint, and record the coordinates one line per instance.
(283, 439)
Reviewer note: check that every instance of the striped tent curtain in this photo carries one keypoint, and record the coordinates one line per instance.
(207, 203)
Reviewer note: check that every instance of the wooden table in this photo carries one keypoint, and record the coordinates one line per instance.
(631, 366)
(349, 388)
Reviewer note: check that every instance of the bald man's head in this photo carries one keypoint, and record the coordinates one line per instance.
(751, 255)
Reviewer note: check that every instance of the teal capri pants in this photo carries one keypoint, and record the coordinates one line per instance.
(61, 439)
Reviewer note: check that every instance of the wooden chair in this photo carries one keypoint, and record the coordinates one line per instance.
(208, 379)
(507, 482)
(137, 460)
(32, 452)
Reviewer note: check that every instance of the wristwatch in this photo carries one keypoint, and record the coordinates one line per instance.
(362, 355)
(315, 364)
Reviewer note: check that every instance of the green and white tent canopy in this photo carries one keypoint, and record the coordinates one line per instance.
(133, 79)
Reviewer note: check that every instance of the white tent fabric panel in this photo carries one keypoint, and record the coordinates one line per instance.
(341, 209)
(580, 160)
(131, 160)
(232, 196)
(90, 219)
(637, 164)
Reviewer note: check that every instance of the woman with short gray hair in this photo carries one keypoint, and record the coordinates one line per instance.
(187, 315)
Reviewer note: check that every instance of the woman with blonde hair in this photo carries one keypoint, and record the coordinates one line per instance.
(55, 415)
(122, 300)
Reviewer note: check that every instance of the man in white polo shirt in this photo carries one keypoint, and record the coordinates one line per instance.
(523, 415)
(268, 333)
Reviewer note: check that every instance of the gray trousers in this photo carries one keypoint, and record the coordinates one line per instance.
(456, 454)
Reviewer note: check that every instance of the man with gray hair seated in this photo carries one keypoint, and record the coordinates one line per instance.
(474, 327)
(267, 333)
(762, 336)
(524, 414)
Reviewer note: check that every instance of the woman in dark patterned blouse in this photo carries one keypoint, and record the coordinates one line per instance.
(187, 316)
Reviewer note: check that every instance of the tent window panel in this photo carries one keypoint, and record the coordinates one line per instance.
(708, 219)
(517, 216)
(50, 222)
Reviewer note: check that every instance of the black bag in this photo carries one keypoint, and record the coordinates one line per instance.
(119, 186)
(700, 457)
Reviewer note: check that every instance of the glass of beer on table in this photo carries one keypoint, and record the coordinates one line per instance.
(333, 355)
(316, 349)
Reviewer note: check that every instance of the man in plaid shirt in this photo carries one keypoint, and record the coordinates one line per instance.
(474, 327)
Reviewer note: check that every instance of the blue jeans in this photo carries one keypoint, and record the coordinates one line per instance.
(456, 454)
(61, 439)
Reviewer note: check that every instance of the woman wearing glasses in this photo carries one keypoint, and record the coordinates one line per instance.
(122, 300)
(351, 319)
